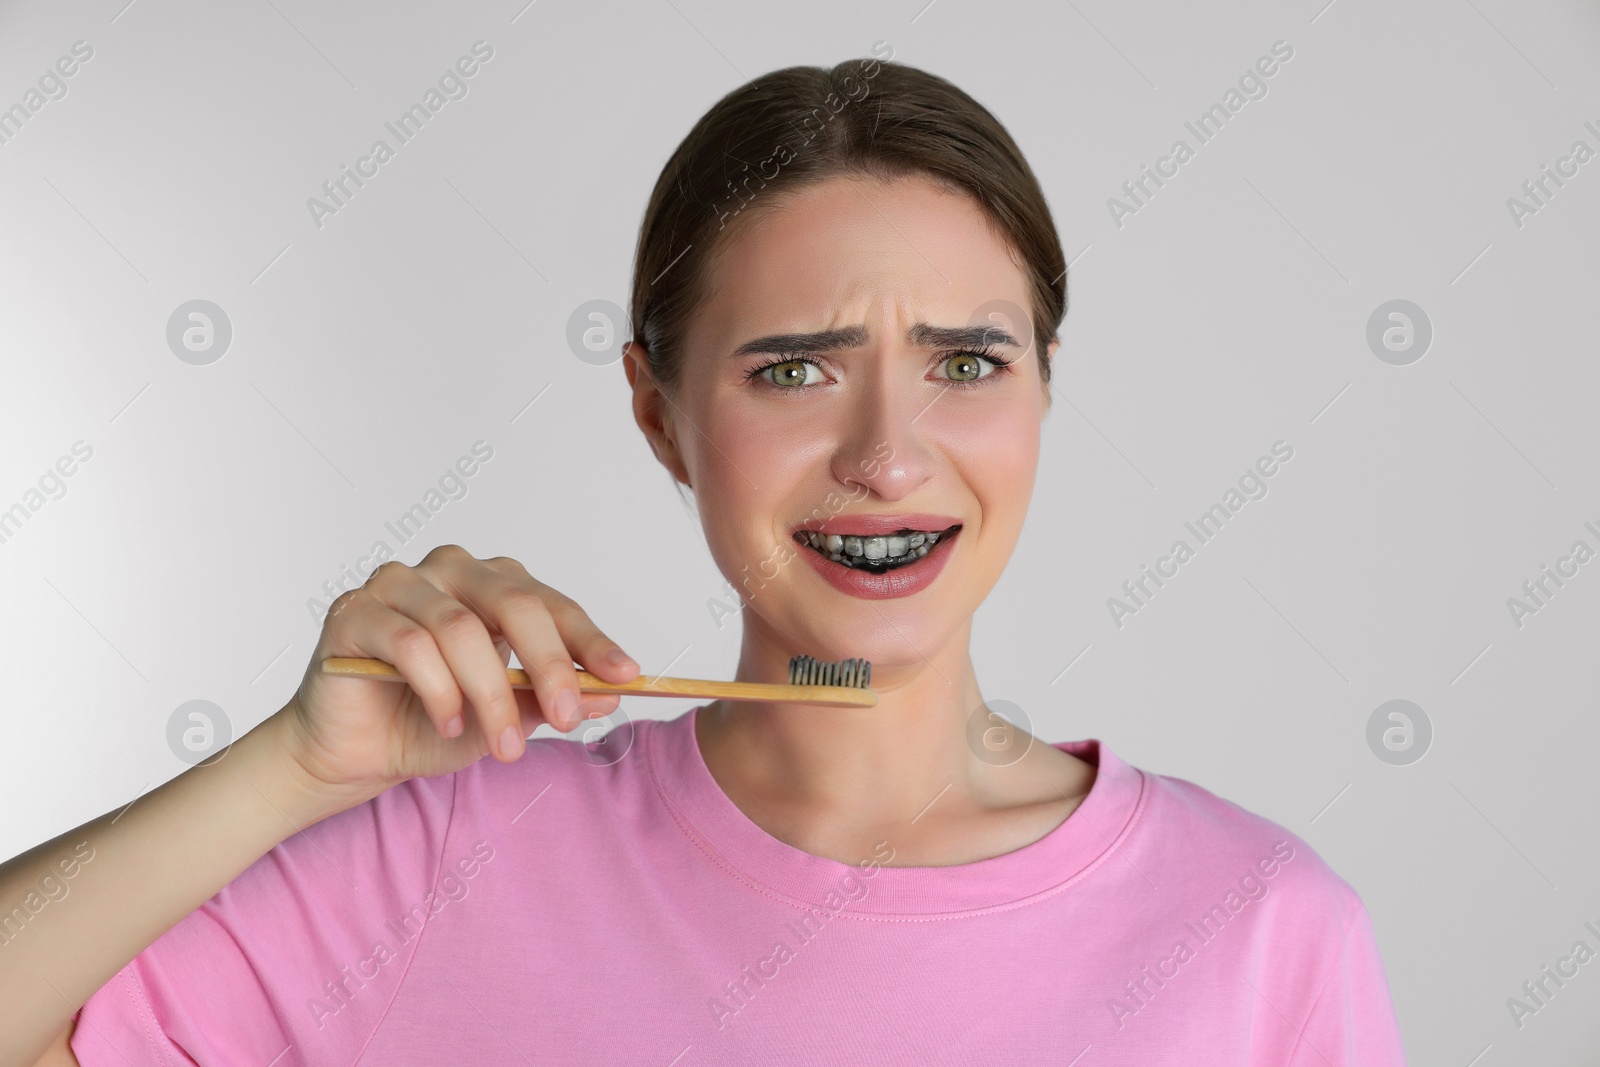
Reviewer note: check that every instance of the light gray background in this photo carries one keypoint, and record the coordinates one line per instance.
(1229, 313)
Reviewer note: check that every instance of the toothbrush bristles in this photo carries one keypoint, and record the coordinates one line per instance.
(851, 673)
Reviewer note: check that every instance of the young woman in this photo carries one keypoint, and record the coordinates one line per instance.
(845, 304)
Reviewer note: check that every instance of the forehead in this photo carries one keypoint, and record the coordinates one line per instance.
(829, 254)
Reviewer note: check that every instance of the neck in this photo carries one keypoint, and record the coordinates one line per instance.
(880, 765)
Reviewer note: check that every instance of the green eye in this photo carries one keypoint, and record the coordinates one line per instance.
(790, 373)
(969, 366)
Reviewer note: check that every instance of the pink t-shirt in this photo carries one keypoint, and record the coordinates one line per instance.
(607, 903)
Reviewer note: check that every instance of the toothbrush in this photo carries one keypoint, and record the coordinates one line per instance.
(834, 684)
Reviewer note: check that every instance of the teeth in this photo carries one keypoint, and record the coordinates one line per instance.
(855, 551)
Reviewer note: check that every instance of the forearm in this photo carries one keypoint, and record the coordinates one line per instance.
(135, 873)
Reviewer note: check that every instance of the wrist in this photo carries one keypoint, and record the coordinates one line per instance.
(284, 778)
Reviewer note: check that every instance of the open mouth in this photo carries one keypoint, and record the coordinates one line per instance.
(876, 553)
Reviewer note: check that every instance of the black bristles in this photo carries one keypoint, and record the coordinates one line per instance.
(851, 673)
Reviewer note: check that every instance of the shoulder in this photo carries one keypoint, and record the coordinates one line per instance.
(1259, 904)
(599, 764)
(1239, 856)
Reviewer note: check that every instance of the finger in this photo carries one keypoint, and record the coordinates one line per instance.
(599, 705)
(599, 654)
(522, 616)
(469, 650)
(526, 612)
(585, 641)
(400, 640)
(596, 706)
(591, 707)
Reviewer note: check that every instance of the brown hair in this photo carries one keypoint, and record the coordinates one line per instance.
(798, 126)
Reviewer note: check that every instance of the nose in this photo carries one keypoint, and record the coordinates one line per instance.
(884, 447)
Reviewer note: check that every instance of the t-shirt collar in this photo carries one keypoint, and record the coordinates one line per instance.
(1089, 837)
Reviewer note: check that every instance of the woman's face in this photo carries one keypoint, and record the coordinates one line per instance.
(888, 423)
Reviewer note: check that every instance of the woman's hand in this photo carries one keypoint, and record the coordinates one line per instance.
(449, 625)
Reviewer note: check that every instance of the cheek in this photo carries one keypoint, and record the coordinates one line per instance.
(744, 465)
(1004, 482)
(737, 458)
(754, 451)
(996, 448)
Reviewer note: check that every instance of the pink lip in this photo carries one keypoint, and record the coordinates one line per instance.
(867, 525)
(902, 581)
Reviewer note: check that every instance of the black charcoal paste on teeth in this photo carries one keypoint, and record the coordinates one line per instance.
(880, 566)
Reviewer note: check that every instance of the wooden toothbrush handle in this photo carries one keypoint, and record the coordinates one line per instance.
(833, 696)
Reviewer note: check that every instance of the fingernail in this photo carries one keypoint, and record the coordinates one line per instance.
(511, 742)
(565, 706)
(616, 657)
(453, 727)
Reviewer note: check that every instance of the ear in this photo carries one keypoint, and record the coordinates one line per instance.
(652, 410)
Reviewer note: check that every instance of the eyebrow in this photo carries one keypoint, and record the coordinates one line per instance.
(921, 334)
